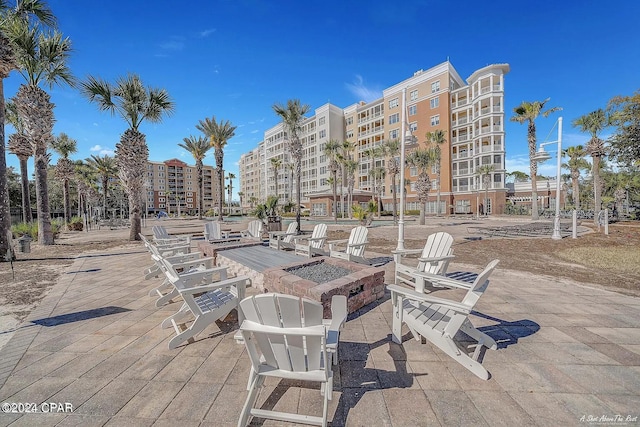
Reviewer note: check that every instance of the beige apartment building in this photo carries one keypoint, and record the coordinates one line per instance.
(172, 186)
(470, 112)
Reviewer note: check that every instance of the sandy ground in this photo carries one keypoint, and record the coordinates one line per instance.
(594, 259)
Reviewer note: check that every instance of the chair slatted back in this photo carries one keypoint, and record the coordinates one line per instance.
(159, 232)
(212, 231)
(319, 232)
(479, 285)
(437, 245)
(358, 235)
(291, 229)
(255, 228)
(286, 330)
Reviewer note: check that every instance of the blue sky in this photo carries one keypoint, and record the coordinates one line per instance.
(234, 59)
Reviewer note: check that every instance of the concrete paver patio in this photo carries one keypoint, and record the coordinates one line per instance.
(568, 355)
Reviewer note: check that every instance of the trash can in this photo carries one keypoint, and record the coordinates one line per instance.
(25, 244)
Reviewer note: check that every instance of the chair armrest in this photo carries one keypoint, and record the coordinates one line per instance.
(180, 258)
(437, 259)
(436, 279)
(356, 245)
(208, 262)
(333, 243)
(403, 252)
(199, 275)
(418, 296)
(234, 281)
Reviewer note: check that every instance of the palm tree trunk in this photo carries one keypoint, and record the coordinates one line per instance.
(67, 202)
(45, 235)
(200, 188)
(533, 166)
(220, 191)
(423, 208)
(5, 219)
(26, 196)
(335, 195)
(576, 192)
(595, 173)
(395, 200)
(134, 216)
(438, 193)
(298, 192)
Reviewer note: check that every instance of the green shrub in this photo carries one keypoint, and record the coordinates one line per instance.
(23, 228)
(412, 212)
(76, 224)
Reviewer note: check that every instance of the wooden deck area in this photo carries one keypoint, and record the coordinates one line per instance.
(259, 258)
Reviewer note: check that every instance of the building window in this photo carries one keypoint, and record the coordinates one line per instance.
(413, 171)
(161, 199)
(323, 133)
(393, 103)
(435, 102)
(350, 134)
(413, 110)
(349, 121)
(394, 118)
(413, 95)
(435, 86)
(435, 120)
(393, 134)
(321, 121)
(413, 126)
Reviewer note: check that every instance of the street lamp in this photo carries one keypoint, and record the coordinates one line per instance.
(540, 156)
(407, 138)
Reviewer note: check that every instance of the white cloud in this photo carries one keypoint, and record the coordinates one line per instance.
(207, 32)
(521, 163)
(102, 151)
(176, 43)
(362, 92)
(255, 131)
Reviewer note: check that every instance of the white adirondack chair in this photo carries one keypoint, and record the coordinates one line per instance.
(279, 240)
(165, 250)
(439, 320)
(253, 231)
(434, 259)
(287, 338)
(314, 245)
(160, 235)
(203, 303)
(355, 246)
(214, 234)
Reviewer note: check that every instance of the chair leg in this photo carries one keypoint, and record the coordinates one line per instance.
(251, 400)
(481, 337)
(166, 298)
(196, 327)
(180, 314)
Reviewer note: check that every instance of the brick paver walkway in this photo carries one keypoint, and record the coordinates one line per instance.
(566, 352)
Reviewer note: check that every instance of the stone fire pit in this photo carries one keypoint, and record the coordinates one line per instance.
(361, 284)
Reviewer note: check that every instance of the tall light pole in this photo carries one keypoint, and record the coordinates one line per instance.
(541, 156)
(405, 137)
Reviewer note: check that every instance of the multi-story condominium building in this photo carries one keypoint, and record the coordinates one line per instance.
(470, 113)
(172, 186)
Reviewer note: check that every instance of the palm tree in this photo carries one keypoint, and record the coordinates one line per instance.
(350, 167)
(230, 177)
(65, 146)
(23, 13)
(575, 164)
(20, 146)
(42, 60)
(276, 164)
(198, 147)
(105, 168)
(518, 176)
(528, 112)
(332, 151)
(422, 159)
(436, 139)
(292, 115)
(344, 155)
(134, 103)
(218, 133)
(484, 172)
(290, 168)
(593, 124)
(377, 174)
(391, 149)
(371, 154)
(241, 196)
